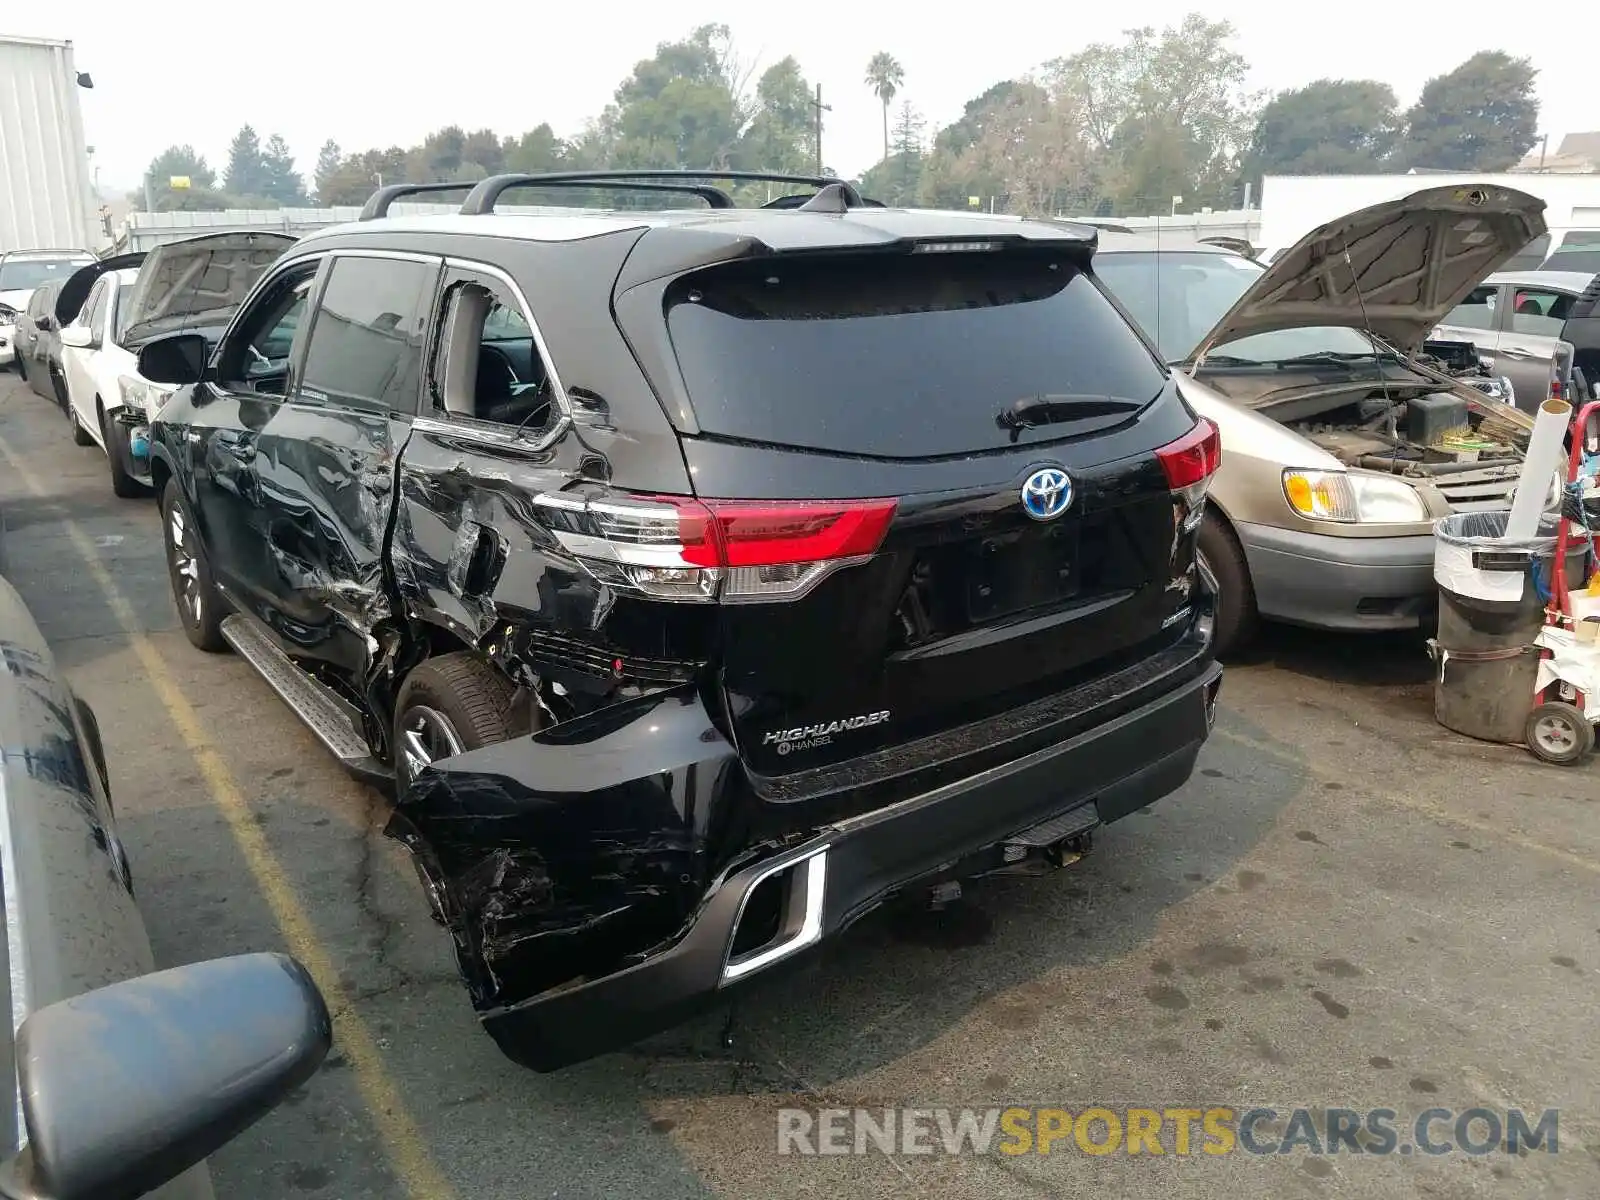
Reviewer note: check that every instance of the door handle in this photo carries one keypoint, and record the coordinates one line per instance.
(1513, 352)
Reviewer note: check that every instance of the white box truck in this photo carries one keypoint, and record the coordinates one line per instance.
(47, 198)
(49, 214)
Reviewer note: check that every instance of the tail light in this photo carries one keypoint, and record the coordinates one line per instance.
(676, 548)
(1189, 463)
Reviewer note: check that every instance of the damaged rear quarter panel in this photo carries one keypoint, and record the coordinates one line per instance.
(562, 854)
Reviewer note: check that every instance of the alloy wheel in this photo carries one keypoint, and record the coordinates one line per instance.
(185, 567)
(426, 735)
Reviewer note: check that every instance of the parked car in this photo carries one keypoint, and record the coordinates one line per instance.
(91, 1021)
(38, 342)
(1338, 429)
(107, 310)
(21, 271)
(1523, 318)
(697, 578)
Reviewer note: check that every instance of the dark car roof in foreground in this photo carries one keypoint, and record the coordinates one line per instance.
(776, 229)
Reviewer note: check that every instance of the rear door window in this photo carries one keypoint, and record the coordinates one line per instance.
(366, 343)
(898, 356)
(487, 366)
(1540, 311)
(1477, 311)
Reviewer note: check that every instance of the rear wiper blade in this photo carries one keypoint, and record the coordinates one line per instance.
(1032, 411)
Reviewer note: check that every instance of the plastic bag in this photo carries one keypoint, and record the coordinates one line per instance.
(1473, 557)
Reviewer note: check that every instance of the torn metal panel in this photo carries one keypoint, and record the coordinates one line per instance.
(471, 553)
(562, 853)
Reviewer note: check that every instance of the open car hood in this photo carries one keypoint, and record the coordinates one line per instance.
(200, 280)
(69, 300)
(1411, 261)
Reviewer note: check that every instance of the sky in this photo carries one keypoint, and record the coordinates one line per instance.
(176, 71)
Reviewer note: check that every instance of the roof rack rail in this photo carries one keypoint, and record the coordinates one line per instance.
(378, 203)
(481, 200)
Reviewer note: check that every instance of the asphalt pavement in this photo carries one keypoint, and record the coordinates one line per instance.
(1348, 906)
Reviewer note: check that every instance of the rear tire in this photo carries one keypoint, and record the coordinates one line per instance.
(448, 705)
(1237, 619)
(200, 605)
(80, 435)
(22, 368)
(123, 484)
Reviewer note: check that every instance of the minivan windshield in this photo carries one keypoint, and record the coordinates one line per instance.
(1178, 297)
(904, 355)
(25, 274)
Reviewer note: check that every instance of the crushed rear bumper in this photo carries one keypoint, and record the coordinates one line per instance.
(849, 868)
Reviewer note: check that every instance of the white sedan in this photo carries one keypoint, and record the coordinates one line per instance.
(106, 311)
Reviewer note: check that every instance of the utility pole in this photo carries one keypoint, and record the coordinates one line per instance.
(820, 108)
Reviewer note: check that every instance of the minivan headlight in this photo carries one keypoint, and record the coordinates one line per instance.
(1353, 499)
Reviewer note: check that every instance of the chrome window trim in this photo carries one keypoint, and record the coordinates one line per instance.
(497, 273)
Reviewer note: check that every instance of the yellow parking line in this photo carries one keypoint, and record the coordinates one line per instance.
(403, 1142)
(1419, 805)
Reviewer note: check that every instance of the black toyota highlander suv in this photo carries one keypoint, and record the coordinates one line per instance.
(697, 578)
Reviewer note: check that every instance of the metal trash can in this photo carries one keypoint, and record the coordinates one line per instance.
(1492, 596)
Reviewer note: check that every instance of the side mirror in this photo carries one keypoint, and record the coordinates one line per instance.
(178, 358)
(45, 323)
(125, 1088)
(78, 336)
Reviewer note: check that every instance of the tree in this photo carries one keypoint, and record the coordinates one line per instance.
(778, 137)
(885, 75)
(438, 158)
(897, 179)
(1023, 150)
(537, 150)
(329, 160)
(1482, 116)
(281, 182)
(247, 172)
(358, 174)
(484, 148)
(180, 160)
(967, 130)
(1165, 114)
(685, 107)
(1328, 127)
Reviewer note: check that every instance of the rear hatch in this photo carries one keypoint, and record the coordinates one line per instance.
(936, 483)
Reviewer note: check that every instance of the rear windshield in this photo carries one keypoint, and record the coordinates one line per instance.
(24, 274)
(903, 356)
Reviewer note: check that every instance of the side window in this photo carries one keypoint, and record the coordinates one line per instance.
(255, 358)
(488, 366)
(368, 334)
(1539, 312)
(1477, 311)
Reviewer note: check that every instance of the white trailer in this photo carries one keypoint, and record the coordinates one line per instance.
(47, 196)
